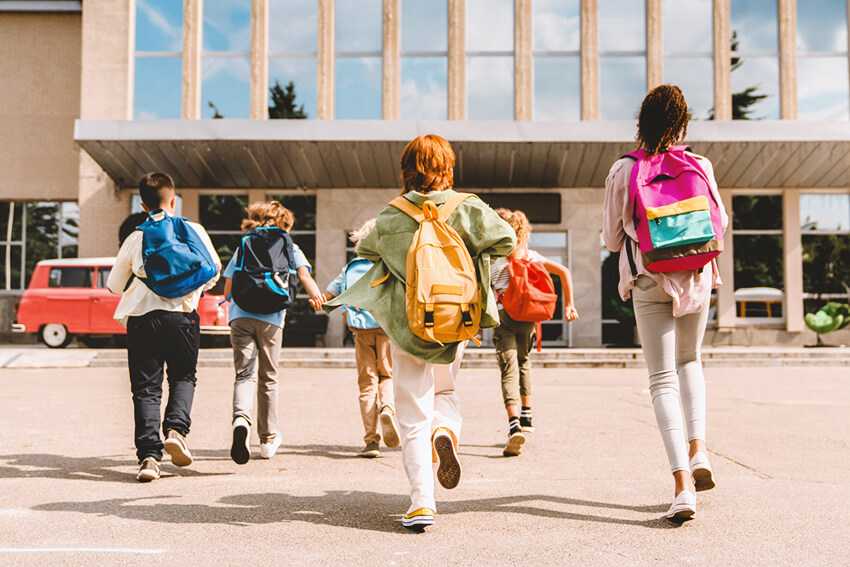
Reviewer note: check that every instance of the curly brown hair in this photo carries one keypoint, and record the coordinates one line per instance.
(427, 164)
(270, 213)
(519, 222)
(663, 118)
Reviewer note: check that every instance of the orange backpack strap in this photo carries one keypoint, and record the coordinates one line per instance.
(408, 208)
(452, 203)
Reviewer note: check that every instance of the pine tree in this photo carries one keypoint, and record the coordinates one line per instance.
(743, 101)
(283, 102)
(217, 114)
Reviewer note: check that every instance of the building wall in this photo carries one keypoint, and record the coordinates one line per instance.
(39, 101)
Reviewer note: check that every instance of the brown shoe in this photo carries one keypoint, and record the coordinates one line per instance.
(175, 445)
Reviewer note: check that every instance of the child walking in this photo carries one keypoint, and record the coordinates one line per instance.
(162, 324)
(372, 353)
(671, 307)
(513, 339)
(427, 405)
(256, 337)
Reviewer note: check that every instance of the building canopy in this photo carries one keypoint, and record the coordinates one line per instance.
(236, 154)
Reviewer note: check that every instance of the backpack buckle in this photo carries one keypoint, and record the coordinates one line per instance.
(466, 316)
(429, 319)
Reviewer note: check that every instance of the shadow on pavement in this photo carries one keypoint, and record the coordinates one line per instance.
(356, 509)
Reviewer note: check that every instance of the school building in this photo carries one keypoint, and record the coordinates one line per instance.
(538, 98)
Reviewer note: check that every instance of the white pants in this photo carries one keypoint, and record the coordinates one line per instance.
(671, 347)
(425, 399)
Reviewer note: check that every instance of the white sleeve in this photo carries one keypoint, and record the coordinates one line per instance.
(123, 267)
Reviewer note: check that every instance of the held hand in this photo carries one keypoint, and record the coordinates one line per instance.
(317, 301)
(570, 313)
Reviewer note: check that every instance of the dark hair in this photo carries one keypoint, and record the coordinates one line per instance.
(156, 189)
(663, 118)
(130, 224)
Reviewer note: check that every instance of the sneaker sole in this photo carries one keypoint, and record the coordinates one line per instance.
(703, 479)
(179, 456)
(682, 515)
(448, 469)
(514, 446)
(389, 431)
(239, 449)
(528, 429)
(370, 455)
(146, 477)
(417, 523)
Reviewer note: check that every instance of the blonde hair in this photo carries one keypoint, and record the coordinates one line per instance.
(357, 235)
(521, 225)
(270, 213)
(427, 164)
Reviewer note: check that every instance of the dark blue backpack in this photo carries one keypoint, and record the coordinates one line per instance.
(175, 259)
(265, 279)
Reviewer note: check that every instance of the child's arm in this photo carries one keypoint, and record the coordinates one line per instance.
(228, 287)
(310, 285)
(123, 267)
(570, 313)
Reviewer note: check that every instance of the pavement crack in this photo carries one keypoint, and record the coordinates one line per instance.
(740, 464)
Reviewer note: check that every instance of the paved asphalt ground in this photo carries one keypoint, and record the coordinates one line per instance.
(590, 488)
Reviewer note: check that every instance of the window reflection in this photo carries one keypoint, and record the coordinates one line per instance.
(557, 25)
(293, 25)
(225, 87)
(695, 76)
(825, 212)
(424, 25)
(357, 25)
(622, 25)
(622, 82)
(557, 88)
(823, 88)
(687, 26)
(755, 22)
(159, 25)
(358, 88)
(424, 88)
(489, 25)
(822, 25)
(755, 60)
(302, 73)
(158, 88)
(761, 74)
(227, 25)
(490, 88)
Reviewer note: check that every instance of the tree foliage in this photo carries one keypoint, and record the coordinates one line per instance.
(283, 102)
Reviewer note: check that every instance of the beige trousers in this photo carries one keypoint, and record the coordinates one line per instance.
(375, 379)
(256, 353)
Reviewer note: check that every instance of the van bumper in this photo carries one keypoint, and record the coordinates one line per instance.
(19, 328)
(215, 330)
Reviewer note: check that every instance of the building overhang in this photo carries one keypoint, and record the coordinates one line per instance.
(274, 154)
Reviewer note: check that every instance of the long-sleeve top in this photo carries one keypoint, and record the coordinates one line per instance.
(138, 299)
(690, 289)
(485, 234)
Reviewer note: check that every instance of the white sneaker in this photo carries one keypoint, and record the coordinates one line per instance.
(389, 431)
(240, 450)
(683, 508)
(702, 473)
(269, 448)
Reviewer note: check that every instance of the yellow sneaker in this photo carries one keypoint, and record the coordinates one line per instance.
(418, 519)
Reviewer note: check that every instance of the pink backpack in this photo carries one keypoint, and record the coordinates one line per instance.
(677, 218)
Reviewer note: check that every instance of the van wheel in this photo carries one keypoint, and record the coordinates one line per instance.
(56, 335)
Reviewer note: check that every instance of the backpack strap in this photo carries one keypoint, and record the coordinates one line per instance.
(452, 203)
(408, 208)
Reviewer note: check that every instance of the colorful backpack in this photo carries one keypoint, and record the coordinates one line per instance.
(357, 319)
(175, 259)
(677, 218)
(530, 295)
(442, 296)
(265, 280)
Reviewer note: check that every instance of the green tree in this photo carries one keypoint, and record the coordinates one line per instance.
(742, 101)
(283, 102)
(217, 114)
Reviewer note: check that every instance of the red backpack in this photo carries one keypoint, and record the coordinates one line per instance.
(530, 295)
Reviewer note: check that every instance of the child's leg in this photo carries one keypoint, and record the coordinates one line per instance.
(525, 335)
(414, 399)
(269, 338)
(446, 402)
(245, 363)
(367, 379)
(179, 336)
(385, 371)
(504, 339)
(145, 365)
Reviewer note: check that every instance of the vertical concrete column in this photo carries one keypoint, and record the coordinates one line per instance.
(654, 45)
(788, 59)
(726, 263)
(523, 62)
(589, 60)
(106, 86)
(325, 71)
(792, 235)
(391, 92)
(193, 33)
(457, 60)
(722, 61)
(259, 107)
(190, 203)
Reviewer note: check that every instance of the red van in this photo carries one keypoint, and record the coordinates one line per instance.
(69, 297)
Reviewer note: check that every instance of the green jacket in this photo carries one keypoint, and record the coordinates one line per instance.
(485, 234)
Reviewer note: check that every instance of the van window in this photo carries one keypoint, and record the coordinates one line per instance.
(70, 277)
(102, 276)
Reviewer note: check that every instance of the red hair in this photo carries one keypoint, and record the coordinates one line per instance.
(427, 164)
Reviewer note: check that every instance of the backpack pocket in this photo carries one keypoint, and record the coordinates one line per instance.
(680, 223)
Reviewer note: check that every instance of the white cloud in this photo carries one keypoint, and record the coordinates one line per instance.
(423, 97)
(173, 31)
(235, 67)
(557, 25)
(489, 25)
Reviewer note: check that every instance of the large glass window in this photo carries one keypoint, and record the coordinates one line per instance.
(757, 237)
(688, 52)
(825, 224)
(557, 64)
(755, 59)
(359, 43)
(226, 62)
(293, 30)
(622, 58)
(31, 232)
(158, 80)
(490, 59)
(822, 80)
(424, 59)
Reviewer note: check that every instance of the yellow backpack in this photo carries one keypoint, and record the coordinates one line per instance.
(442, 295)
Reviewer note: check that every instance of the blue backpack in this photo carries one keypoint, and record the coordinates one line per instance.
(175, 259)
(265, 280)
(357, 319)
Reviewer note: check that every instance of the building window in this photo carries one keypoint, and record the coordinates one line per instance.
(622, 58)
(554, 246)
(759, 254)
(822, 81)
(688, 52)
(293, 30)
(755, 59)
(359, 40)
(226, 59)
(557, 60)
(424, 59)
(158, 80)
(221, 216)
(31, 232)
(490, 59)
(825, 224)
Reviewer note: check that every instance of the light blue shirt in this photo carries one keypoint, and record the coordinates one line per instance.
(276, 319)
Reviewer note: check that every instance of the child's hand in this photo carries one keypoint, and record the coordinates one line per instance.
(317, 301)
(570, 313)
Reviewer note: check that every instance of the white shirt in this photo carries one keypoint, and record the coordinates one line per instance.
(139, 299)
